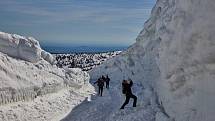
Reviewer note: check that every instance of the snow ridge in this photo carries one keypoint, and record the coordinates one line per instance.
(174, 55)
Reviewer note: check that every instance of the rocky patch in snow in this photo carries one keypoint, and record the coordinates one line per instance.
(84, 61)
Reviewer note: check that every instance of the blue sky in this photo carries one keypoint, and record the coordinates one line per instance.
(76, 22)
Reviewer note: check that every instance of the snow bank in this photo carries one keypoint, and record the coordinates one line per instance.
(21, 80)
(50, 107)
(174, 55)
(26, 48)
(39, 90)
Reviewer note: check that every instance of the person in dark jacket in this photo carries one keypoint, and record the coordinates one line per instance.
(100, 84)
(126, 89)
(107, 81)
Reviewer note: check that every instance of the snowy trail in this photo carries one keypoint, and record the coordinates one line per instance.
(106, 108)
(98, 109)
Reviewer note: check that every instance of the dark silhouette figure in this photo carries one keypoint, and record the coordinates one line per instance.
(107, 80)
(100, 84)
(126, 89)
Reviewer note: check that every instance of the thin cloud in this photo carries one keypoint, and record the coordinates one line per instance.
(110, 20)
(68, 11)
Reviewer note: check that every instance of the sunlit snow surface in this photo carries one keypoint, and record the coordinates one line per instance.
(174, 56)
(31, 88)
(171, 64)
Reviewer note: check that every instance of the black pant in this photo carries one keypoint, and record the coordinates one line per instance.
(100, 90)
(107, 85)
(128, 96)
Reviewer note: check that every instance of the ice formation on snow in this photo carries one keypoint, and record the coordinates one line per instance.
(27, 75)
(21, 80)
(26, 48)
(174, 54)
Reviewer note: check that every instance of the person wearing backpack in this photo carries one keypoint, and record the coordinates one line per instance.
(126, 89)
(100, 84)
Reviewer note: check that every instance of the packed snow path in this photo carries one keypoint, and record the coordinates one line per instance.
(106, 108)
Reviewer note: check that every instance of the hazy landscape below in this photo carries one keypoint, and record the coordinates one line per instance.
(82, 49)
(85, 61)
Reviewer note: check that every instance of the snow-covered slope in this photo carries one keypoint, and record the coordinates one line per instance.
(39, 90)
(174, 55)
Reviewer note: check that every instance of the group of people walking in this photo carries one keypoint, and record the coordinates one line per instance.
(100, 83)
(126, 89)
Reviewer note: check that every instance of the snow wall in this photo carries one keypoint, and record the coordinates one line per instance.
(174, 55)
(26, 71)
(26, 48)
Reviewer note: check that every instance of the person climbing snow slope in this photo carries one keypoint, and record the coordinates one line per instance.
(126, 89)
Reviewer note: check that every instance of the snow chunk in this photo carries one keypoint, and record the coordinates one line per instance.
(25, 48)
(73, 73)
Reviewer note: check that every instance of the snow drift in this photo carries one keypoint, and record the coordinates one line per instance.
(26, 48)
(174, 54)
(31, 85)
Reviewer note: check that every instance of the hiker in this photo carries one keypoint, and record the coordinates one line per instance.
(126, 89)
(107, 80)
(100, 84)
